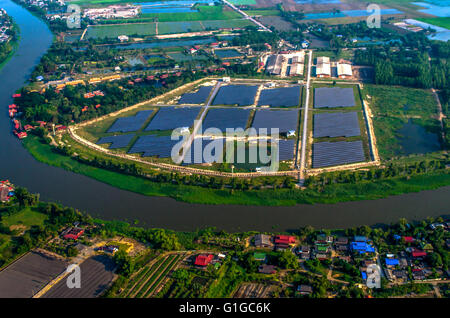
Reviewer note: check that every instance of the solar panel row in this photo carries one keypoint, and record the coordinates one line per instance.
(280, 97)
(196, 153)
(170, 118)
(337, 153)
(133, 123)
(242, 95)
(286, 149)
(336, 125)
(120, 141)
(198, 97)
(333, 97)
(284, 120)
(223, 118)
(152, 145)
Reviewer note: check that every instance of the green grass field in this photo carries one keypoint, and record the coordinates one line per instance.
(27, 217)
(392, 108)
(262, 12)
(149, 28)
(440, 22)
(204, 13)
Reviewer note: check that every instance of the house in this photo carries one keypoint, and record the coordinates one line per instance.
(262, 240)
(123, 38)
(358, 238)
(400, 274)
(304, 252)
(392, 262)
(321, 256)
(203, 260)
(267, 269)
(408, 239)
(362, 247)
(4, 191)
(284, 241)
(341, 248)
(304, 289)
(73, 233)
(344, 70)
(341, 240)
(416, 253)
(291, 133)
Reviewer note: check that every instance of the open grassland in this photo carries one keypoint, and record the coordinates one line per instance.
(392, 108)
(268, 197)
(24, 218)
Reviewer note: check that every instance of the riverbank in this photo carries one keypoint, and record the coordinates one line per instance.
(267, 197)
(14, 42)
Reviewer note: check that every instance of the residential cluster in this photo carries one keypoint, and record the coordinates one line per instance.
(5, 26)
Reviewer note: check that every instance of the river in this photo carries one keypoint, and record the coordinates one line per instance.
(110, 203)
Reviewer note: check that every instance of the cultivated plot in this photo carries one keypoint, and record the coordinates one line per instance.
(327, 154)
(284, 120)
(120, 141)
(170, 118)
(223, 118)
(336, 125)
(151, 145)
(334, 97)
(198, 97)
(133, 123)
(29, 274)
(241, 95)
(96, 275)
(280, 97)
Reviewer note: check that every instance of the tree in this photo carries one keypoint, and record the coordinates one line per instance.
(124, 263)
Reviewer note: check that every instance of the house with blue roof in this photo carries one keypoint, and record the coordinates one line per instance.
(362, 247)
(358, 238)
(392, 262)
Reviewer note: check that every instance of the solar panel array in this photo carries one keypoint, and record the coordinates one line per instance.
(133, 123)
(280, 97)
(286, 149)
(198, 97)
(284, 120)
(336, 125)
(195, 154)
(333, 97)
(170, 118)
(120, 141)
(337, 153)
(242, 95)
(224, 118)
(152, 145)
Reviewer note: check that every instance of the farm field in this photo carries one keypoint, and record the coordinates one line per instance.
(29, 274)
(97, 275)
(25, 218)
(204, 13)
(150, 29)
(440, 22)
(145, 282)
(253, 290)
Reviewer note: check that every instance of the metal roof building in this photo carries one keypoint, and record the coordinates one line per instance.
(344, 70)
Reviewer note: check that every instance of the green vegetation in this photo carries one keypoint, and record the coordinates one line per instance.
(393, 107)
(440, 22)
(332, 193)
(26, 218)
(204, 13)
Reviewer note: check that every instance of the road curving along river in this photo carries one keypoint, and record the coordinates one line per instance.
(110, 203)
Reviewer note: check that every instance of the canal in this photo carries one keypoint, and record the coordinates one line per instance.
(102, 200)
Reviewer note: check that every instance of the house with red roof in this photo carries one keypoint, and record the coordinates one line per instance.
(418, 253)
(203, 260)
(408, 239)
(73, 233)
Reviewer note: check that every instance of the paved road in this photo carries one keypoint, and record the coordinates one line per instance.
(246, 16)
(305, 122)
